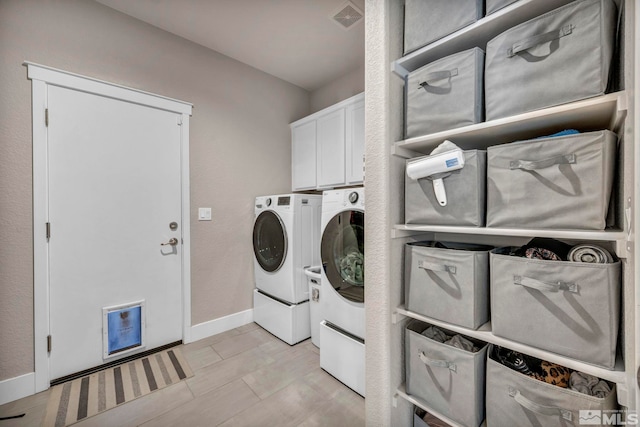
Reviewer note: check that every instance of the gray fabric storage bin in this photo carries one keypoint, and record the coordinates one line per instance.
(495, 5)
(450, 380)
(466, 197)
(556, 182)
(542, 404)
(445, 94)
(568, 308)
(559, 57)
(428, 20)
(449, 283)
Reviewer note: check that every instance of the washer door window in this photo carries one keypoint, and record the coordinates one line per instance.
(269, 241)
(342, 252)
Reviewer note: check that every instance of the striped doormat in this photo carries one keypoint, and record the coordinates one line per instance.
(84, 397)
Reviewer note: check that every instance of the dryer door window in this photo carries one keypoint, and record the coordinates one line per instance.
(342, 252)
(269, 241)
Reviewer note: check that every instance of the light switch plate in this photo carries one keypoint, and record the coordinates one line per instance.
(204, 214)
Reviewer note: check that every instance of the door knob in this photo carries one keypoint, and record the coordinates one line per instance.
(172, 241)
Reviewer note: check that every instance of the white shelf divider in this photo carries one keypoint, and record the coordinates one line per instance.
(402, 392)
(615, 235)
(476, 34)
(598, 113)
(617, 375)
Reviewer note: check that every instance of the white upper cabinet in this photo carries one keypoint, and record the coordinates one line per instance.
(355, 143)
(328, 147)
(303, 156)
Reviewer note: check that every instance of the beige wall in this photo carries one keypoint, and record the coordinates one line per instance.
(345, 87)
(240, 146)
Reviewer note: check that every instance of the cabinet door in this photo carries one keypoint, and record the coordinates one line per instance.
(303, 156)
(331, 149)
(355, 143)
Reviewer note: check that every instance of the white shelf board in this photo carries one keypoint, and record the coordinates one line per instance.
(617, 375)
(404, 230)
(598, 113)
(402, 392)
(475, 35)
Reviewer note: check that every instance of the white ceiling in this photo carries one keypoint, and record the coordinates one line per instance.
(295, 40)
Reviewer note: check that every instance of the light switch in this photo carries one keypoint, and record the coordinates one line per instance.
(204, 214)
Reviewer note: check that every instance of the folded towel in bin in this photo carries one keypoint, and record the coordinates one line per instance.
(590, 253)
(555, 250)
(457, 341)
(588, 384)
(551, 373)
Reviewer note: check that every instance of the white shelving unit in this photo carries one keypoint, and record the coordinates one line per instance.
(477, 34)
(387, 402)
(483, 333)
(603, 112)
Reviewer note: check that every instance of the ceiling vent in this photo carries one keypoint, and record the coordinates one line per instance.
(347, 16)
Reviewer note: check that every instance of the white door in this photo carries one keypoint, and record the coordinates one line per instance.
(114, 189)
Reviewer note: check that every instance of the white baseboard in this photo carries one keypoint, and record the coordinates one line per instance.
(222, 324)
(17, 388)
(24, 385)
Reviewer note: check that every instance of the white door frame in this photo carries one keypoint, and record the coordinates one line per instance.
(42, 76)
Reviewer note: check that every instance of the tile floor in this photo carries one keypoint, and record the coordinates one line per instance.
(243, 377)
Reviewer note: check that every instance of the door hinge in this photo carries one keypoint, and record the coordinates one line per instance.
(48, 343)
(48, 226)
(179, 120)
(46, 117)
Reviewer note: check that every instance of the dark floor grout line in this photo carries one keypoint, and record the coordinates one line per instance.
(165, 411)
(250, 388)
(193, 395)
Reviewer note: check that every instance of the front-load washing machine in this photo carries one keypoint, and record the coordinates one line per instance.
(342, 255)
(285, 241)
(342, 332)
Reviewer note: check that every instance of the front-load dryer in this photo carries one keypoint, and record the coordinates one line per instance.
(285, 241)
(342, 257)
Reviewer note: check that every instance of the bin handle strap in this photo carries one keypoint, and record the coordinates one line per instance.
(529, 165)
(545, 286)
(538, 408)
(437, 363)
(538, 39)
(437, 267)
(438, 75)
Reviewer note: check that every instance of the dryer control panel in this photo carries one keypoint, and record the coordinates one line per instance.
(354, 197)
